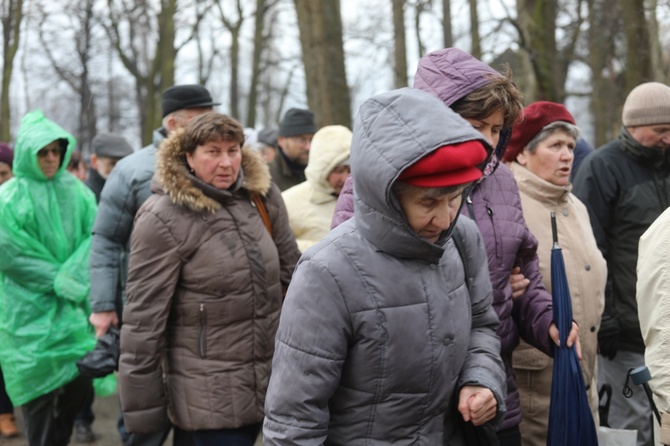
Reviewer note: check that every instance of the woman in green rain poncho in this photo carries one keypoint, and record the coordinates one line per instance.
(46, 215)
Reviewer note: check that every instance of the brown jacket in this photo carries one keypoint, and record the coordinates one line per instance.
(204, 296)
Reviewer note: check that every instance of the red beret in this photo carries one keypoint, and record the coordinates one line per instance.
(535, 117)
(447, 166)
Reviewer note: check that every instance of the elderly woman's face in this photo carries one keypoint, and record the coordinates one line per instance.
(429, 213)
(216, 162)
(552, 159)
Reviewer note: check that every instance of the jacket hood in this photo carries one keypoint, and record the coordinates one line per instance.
(330, 146)
(184, 189)
(451, 74)
(392, 131)
(35, 132)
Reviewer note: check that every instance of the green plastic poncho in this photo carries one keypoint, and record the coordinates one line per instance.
(45, 239)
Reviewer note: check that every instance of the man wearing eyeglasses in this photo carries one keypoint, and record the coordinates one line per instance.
(46, 216)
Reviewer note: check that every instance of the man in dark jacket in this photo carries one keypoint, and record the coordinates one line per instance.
(108, 149)
(626, 185)
(295, 139)
(124, 192)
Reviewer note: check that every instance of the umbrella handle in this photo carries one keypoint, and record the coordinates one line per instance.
(554, 230)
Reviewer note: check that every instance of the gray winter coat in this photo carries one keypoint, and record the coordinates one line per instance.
(127, 187)
(379, 331)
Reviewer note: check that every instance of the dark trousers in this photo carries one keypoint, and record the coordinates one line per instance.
(86, 415)
(510, 437)
(49, 419)
(243, 436)
(5, 403)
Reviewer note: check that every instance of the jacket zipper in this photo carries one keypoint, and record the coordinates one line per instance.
(495, 232)
(203, 324)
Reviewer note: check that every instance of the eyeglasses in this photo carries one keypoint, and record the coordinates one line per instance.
(42, 153)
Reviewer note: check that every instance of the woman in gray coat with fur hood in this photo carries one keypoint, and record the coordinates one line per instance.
(210, 254)
(383, 339)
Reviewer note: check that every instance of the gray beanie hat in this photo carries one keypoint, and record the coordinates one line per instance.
(647, 104)
(111, 146)
(297, 122)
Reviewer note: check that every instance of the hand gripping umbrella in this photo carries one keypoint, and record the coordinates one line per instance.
(570, 419)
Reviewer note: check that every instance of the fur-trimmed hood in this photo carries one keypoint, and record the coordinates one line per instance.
(173, 178)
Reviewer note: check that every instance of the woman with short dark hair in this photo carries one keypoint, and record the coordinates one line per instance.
(211, 253)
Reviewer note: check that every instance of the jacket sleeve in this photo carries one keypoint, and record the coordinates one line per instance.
(533, 311)
(155, 266)
(596, 185)
(653, 302)
(344, 209)
(282, 235)
(483, 365)
(310, 350)
(111, 232)
(24, 260)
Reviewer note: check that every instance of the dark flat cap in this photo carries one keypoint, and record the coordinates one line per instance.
(179, 97)
(111, 146)
(268, 137)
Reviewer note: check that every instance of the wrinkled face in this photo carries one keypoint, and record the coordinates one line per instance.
(49, 158)
(428, 213)
(337, 177)
(490, 127)
(296, 148)
(5, 172)
(216, 162)
(657, 136)
(103, 164)
(552, 158)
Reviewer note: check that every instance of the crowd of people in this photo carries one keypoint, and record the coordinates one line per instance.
(388, 283)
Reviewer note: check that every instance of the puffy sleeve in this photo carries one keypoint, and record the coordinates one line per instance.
(111, 233)
(154, 270)
(483, 365)
(310, 350)
(344, 209)
(282, 235)
(653, 302)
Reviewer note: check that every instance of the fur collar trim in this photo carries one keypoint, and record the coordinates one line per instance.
(179, 184)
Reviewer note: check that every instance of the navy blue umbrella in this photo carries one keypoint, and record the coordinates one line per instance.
(570, 419)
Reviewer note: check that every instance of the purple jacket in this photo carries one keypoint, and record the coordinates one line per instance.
(451, 74)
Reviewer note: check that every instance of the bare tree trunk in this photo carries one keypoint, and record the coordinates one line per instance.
(259, 46)
(659, 69)
(234, 28)
(448, 36)
(12, 14)
(399, 45)
(474, 30)
(638, 48)
(607, 97)
(320, 26)
(150, 80)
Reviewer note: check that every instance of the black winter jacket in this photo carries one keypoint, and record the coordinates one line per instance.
(625, 190)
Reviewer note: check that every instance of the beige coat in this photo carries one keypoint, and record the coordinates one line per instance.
(204, 296)
(653, 303)
(311, 204)
(586, 272)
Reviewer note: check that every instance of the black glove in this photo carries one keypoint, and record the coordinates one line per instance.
(608, 336)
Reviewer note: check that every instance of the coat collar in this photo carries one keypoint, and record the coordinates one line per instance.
(539, 189)
(184, 189)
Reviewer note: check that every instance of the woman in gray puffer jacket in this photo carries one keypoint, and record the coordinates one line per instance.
(381, 339)
(491, 103)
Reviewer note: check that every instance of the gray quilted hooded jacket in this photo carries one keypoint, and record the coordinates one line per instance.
(379, 330)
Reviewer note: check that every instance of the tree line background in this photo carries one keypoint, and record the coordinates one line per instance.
(101, 65)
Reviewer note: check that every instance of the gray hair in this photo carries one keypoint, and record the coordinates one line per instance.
(550, 129)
